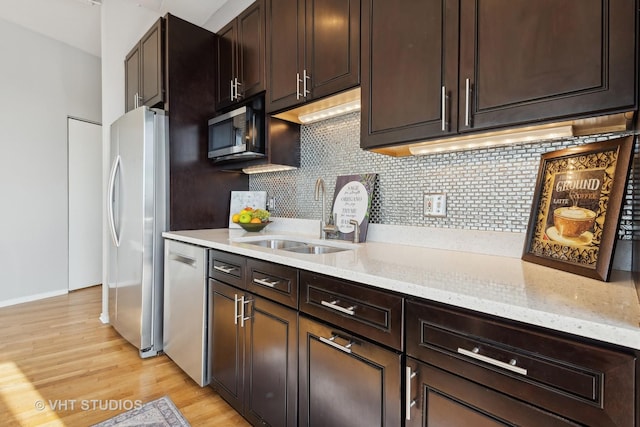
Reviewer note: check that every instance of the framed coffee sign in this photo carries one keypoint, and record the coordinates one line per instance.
(576, 207)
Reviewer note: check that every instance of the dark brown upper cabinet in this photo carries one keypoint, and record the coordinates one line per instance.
(144, 75)
(241, 57)
(313, 50)
(435, 68)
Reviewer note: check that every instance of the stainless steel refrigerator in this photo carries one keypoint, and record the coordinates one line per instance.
(137, 215)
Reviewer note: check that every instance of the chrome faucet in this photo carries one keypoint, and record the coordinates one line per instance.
(324, 227)
(356, 230)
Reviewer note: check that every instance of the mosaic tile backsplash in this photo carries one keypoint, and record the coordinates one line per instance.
(489, 189)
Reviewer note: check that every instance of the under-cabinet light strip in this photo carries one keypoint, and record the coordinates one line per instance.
(522, 136)
(327, 113)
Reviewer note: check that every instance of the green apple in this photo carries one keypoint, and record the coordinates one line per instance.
(245, 218)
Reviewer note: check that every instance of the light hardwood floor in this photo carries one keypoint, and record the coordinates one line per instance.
(60, 366)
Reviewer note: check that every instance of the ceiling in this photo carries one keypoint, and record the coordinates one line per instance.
(77, 22)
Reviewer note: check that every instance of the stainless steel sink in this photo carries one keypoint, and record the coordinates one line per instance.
(295, 246)
(276, 243)
(315, 249)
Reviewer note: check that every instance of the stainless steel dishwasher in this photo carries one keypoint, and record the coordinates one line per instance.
(185, 308)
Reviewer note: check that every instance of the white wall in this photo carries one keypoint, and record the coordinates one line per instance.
(226, 13)
(42, 81)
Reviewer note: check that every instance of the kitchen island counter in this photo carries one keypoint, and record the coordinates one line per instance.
(496, 285)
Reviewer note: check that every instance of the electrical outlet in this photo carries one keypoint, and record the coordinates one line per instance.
(272, 204)
(435, 204)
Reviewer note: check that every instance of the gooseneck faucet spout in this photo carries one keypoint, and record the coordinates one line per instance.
(320, 188)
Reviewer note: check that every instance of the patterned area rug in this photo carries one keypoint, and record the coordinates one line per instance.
(158, 413)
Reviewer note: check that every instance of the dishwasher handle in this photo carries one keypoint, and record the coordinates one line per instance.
(184, 259)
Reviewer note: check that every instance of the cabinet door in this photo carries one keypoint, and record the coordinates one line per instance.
(226, 64)
(285, 52)
(151, 71)
(251, 50)
(227, 344)
(346, 381)
(409, 70)
(132, 78)
(271, 364)
(332, 45)
(438, 398)
(539, 60)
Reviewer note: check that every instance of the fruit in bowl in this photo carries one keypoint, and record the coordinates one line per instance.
(252, 219)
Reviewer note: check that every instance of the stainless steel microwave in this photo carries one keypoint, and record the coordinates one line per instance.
(238, 134)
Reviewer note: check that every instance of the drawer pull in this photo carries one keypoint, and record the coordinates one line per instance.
(267, 283)
(334, 305)
(332, 342)
(511, 366)
(224, 268)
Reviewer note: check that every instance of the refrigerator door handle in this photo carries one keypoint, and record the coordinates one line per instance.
(110, 213)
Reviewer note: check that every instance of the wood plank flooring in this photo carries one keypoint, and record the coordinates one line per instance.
(60, 366)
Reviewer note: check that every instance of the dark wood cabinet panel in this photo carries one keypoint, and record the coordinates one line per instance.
(285, 52)
(152, 70)
(441, 67)
(241, 57)
(226, 69)
(346, 381)
(313, 50)
(144, 70)
(132, 78)
(444, 399)
(227, 344)
(251, 50)
(274, 281)
(271, 364)
(580, 381)
(534, 61)
(199, 194)
(332, 45)
(409, 57)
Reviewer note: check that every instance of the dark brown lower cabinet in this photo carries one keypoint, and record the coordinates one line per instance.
(253, 355)
(499, 372)
(439, 398)
(345, 380)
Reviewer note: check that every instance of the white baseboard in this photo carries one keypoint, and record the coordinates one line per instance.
(30, 298)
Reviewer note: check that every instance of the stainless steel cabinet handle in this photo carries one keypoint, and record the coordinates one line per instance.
(410, 403)
(191, 262)
(267, 283)
(334, 305)
(235, 309)
(224, 268)
(475, 354)
(467, 114)
(332, 343)
(306, 77)
(231, 85)
(298, 86)
(444, 109)
(243, 302)
(237, 83)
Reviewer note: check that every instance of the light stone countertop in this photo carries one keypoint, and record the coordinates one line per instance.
(499, 285)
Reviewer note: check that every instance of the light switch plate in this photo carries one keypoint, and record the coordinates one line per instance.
(435, 204)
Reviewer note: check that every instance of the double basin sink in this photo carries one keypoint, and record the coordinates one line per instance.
(302, 247)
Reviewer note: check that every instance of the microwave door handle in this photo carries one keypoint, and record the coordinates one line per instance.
(254, 131)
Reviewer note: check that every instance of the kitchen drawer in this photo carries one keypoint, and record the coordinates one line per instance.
(273, 281)
(371, 313)
(227, 268)
(581, 381)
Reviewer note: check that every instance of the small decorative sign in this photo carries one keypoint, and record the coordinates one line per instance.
(576, 207)
(352, 201)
